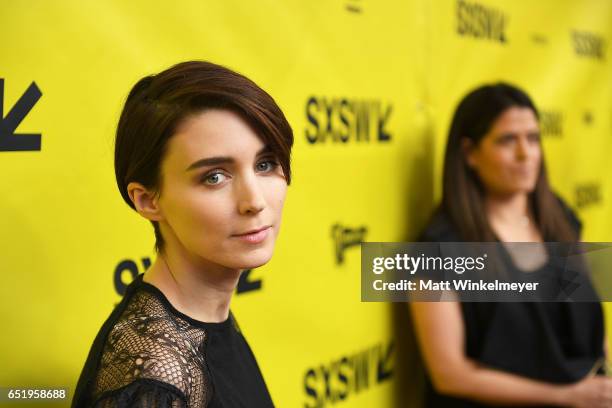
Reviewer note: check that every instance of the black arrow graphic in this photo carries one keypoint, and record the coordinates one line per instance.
(245, 284)
(9, 141)
(385, 362)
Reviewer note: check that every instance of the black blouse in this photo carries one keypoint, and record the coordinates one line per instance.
(557, 342)
(148, 354)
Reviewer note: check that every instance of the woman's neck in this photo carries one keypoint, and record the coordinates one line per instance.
(507, 208)
(198, 289)
(511, 218)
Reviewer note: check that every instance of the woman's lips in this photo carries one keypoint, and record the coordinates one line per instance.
(255, 237)
(524, 172)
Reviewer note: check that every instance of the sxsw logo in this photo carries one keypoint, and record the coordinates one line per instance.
(588, 45)
(588, 194)
(347, 120)
(354, 6)
(588, 118)
(482, 22)
(348, 375)
(551, 123)
(132, 268)
(539, 39)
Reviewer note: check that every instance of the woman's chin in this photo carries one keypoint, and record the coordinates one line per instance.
(518, 187)
(527, 187)
(255, 259)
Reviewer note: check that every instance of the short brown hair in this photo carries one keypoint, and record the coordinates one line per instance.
(157, 104)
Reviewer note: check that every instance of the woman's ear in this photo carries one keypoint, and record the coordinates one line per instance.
(145, 201)
(467, 148)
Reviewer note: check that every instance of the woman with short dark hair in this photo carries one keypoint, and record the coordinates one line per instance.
(495, 188)
(204, 154)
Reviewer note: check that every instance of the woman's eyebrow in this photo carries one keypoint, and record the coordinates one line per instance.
(211, 161)
(215, 161)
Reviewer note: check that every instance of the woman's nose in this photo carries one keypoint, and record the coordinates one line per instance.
(250, 196)
(522, 148)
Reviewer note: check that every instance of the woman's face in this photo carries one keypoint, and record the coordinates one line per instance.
(507, 159)
(222, 191)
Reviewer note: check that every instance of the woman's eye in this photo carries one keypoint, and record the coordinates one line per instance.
(266, 165)
(505, 139)
(214, 179)
(534, 137)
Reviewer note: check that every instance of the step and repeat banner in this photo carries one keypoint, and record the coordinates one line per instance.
(369, 88)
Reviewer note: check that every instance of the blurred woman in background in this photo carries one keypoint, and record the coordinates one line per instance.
(495, 188)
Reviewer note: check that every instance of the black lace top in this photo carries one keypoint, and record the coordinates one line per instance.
(148, 354)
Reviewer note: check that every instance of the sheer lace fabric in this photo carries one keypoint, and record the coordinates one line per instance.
(152, 359)
(144, 394)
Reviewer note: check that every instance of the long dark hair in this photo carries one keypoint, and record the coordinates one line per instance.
(463, 193)
(157, 104)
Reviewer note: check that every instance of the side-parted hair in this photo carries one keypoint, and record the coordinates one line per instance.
(463, 192)
(157, 104)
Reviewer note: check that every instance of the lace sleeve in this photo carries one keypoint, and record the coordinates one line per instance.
(143, 394)
(152, 358)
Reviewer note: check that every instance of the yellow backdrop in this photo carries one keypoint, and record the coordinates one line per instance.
(369, 88)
